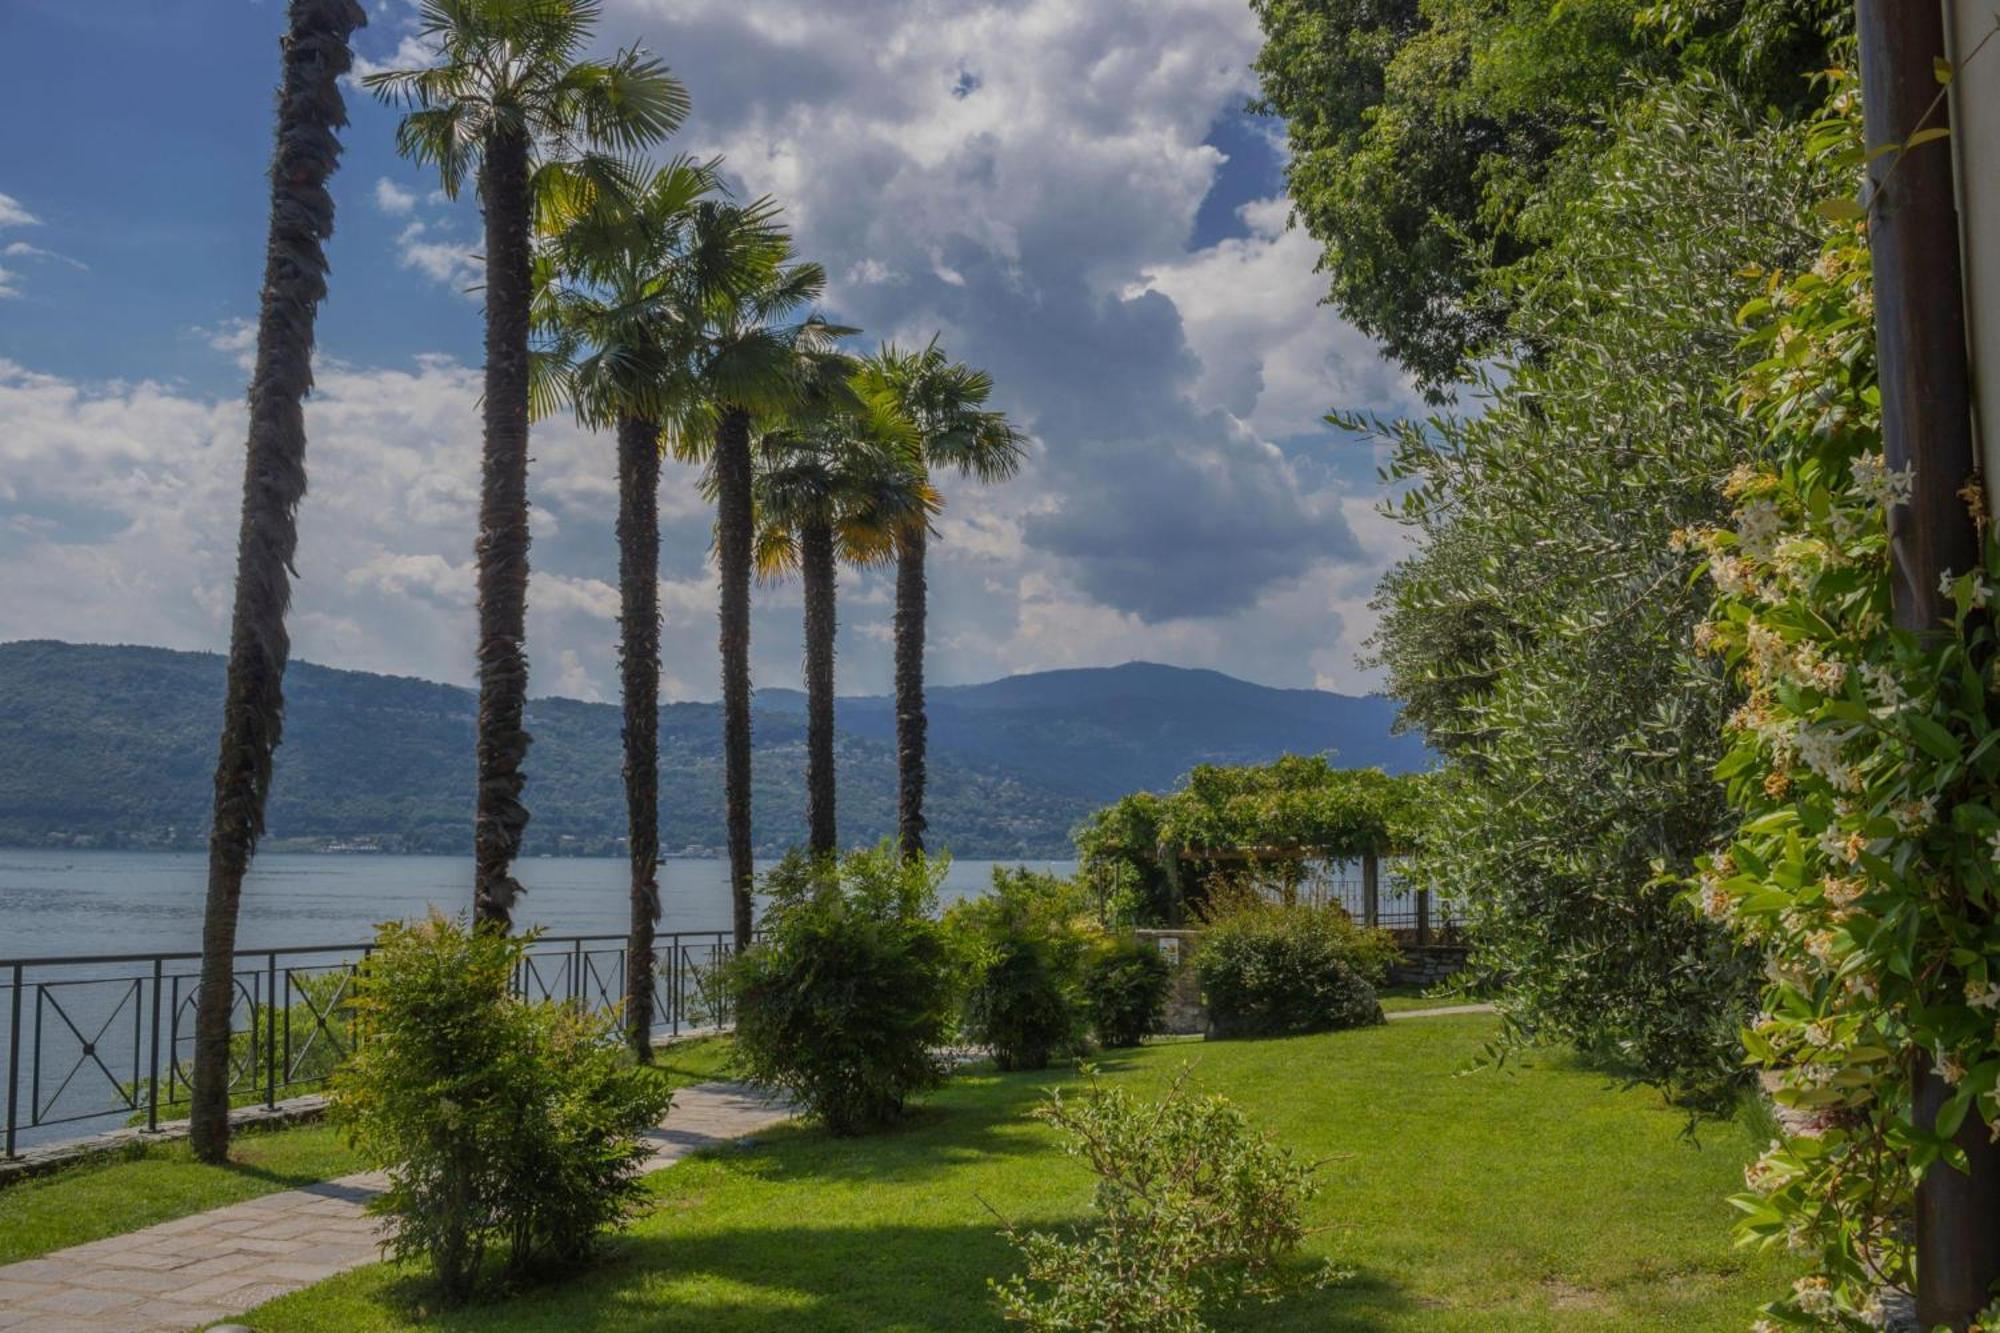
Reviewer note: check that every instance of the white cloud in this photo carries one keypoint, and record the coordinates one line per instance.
(1022, 175)
(13, 213)
(22, 250)
(430, 249)
(392, 198)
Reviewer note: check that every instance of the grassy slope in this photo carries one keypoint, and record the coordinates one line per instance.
(1532, 1198)
(109, 1196)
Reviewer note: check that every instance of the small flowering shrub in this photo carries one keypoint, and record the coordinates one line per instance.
(1195, 1210)
(848, 998)
(1125, 985)
(1866, 764)
(506, 1128)
(1023, 945)
(1268, 970)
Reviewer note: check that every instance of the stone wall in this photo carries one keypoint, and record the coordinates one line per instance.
(1427, 965)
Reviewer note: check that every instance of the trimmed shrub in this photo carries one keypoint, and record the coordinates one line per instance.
(1196, 1210)
(1274, 971)
(847, 999)
(1125, 986)
(1022, 946)
(506, 1128)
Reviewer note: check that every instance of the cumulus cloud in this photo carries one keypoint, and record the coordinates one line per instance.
(392, 198)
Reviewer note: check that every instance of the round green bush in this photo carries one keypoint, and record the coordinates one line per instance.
(1022, 946)
(847, 1001)
(1125, 990)
(1280, 971)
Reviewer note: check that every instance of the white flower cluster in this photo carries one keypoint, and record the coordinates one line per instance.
(1884, 485)
(1981, 593)
(1884, 688)
(1758, 527)
(1819, 750)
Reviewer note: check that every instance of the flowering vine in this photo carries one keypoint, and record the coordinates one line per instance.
(1865, 761)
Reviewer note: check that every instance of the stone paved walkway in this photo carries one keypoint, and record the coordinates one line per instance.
(1444, 1011)
(195, 1270)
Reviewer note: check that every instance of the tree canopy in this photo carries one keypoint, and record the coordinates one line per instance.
(1421, 129)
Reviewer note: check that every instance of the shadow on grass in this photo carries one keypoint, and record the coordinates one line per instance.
(828, 1278)
(979, 1114)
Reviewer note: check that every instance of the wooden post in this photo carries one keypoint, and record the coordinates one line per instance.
(1371, 890)
(1926, 426)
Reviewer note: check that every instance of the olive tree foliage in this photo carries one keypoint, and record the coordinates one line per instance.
(1420, 131)
(1541, 635)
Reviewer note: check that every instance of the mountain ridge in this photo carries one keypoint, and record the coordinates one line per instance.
(114, 746)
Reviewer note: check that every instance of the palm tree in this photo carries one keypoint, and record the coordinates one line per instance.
(511, 104)
(310, 112)
(612, 345)
(836, 487)
(754, 355)
(945, 403)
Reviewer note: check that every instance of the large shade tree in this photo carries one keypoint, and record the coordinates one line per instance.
(944, 402)
(511, 103)
(756, 351)
(607, 282)
(834, 487)
(310, 112)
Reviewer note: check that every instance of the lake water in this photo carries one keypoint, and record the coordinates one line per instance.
(62, 902)
(89, 1033)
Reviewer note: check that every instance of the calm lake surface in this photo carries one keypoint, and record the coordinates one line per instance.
(62, 902)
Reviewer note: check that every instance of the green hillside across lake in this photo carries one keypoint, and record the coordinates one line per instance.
(114, 747)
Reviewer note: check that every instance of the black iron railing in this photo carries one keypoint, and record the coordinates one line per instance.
(105, 1040)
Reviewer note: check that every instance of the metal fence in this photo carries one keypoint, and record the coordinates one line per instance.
(1379, 897)
(100, 1041)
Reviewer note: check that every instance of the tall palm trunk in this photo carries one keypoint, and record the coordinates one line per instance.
(310, 111)
(911, 723)
(732, 541)
(816, 566)
(639, 664)
(502, 547)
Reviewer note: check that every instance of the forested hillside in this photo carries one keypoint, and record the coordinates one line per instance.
(114, 746)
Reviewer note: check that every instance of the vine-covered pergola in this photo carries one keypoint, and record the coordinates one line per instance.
(1274, 817)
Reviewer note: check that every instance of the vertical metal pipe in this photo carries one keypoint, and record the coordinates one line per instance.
(14, 1060)
(1926, 426)
(153, 1063)
(270, 1031)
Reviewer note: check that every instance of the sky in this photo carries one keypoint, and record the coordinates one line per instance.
(1071, 195)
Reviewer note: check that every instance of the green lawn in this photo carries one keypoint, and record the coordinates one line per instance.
(1398, 998)
(110, 1195)
(1536, 1197)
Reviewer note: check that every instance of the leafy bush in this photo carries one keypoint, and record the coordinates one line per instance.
(1125, 987)
(1269, 970)
(846, 1000)
(1023, 947)
(502, 1124)
(1196, 1210)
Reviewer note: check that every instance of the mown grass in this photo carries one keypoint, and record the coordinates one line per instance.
(158, 1182)
(1541, 1196)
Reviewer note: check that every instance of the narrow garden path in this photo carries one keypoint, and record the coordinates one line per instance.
(195, 1270)
(1444, 1011)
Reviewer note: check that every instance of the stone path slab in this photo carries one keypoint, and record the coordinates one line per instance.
(196, 1270)
(1444, 1011)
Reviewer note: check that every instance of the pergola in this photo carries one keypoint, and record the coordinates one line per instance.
(1285, 814)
